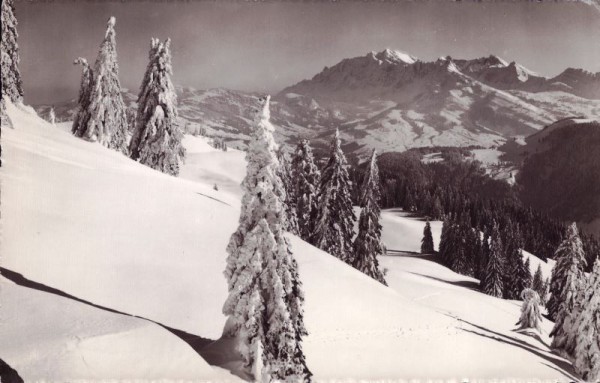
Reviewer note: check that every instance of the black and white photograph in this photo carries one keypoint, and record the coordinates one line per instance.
(296, 191)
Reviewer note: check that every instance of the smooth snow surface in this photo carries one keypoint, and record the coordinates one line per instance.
(46, 337)
(91, 222)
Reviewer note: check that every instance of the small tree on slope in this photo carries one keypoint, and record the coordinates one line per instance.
(568, 280)
(107, 120)
(12, 86)
(531, 316)
(156, 140)
(265, 299)
(427, 241)
(305, 177)
(335, 218)
(586, 329)
(367, 245)
(52, 116)
(492, 278)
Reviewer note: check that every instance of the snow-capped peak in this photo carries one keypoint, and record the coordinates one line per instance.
(500, 61)
(523, 73)
(394, 56)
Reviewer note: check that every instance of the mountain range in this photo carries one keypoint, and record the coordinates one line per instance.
(392, 101)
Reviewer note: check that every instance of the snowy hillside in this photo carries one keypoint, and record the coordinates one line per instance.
(93, 224)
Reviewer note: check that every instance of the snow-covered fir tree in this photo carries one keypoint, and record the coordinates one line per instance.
(334, 227)
(52, 116)
(521, 278)
(586, 329)
(427, 241)
(492, 283)
(284, 172)
(368, 245)
(538, 284)
(463, 238)
(305, 177)
(446, 247)
(103, 115)
(531, 316)
(265, 302)
(82, 116)
(525, 278)
(514, 277)
(483, 256)
(156, 139)
(568, 280)
(12, 86)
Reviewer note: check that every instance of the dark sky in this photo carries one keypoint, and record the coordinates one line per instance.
(265, 46)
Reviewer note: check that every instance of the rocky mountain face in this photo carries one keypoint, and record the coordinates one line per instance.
(560, 171)
(392, 101)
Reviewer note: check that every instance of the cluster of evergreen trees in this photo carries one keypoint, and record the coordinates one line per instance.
(320, 206)
(103, 117)
(495, 257)
(575, 307)
(463, 189)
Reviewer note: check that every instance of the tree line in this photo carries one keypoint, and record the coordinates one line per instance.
(460, 190)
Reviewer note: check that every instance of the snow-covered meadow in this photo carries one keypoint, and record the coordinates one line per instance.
(90, 222)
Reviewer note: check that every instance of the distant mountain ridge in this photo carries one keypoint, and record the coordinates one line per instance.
(398, 69)
(392, 101)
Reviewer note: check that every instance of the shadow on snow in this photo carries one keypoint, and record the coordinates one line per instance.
(211, 351)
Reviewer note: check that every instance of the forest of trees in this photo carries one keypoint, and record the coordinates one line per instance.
(460, 190)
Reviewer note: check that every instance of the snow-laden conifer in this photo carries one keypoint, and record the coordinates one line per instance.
(568, 280)
(484, 255)
(156, 139)
(531, 316)
(368, 245)
(492, 276)
(586, 329)
(521, 278)
(289, 200)
(265, 299)
(103, 115)
(82, 116)
(427, 241)
(305, 178)
(12, 86)
(52, 116)
(515, 278)
(334, 227)
(446, 247)
(538, 284)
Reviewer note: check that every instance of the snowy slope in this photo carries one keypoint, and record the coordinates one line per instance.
(93, 223)
(455, 295)
(51, 338)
